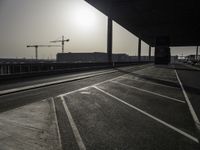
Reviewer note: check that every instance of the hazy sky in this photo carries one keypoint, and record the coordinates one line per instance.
(24, 22)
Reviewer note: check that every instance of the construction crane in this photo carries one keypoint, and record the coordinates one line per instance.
(36, 48)
(62, 42)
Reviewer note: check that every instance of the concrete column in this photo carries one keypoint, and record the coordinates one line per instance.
(139, 49)
(149, 53)
(197, 52)
(109, 39)
(162, 50)
(36, 53)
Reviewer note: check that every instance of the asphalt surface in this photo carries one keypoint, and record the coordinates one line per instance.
(13, 100)
(190, 79)
(31, 127)
(140, 108)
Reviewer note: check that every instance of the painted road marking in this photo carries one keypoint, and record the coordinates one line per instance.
(150, 92)
(56, 120)
(192, 111)
(150, 116)
(153, 83)
(77, 135)
(86, 87)
(86, 93)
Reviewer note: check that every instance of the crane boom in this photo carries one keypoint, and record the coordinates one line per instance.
(43, 45)
(36, 48)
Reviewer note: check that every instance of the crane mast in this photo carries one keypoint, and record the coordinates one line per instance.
(62, 42)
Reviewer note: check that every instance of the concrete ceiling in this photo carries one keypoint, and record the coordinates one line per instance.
(148, 19)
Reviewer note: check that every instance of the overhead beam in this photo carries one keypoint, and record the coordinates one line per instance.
(151, 19)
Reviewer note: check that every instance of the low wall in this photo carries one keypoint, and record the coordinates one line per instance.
(14, 71)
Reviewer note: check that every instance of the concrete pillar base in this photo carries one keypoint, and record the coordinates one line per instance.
(162, 51)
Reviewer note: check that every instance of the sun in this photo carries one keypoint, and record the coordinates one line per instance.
(85, 17)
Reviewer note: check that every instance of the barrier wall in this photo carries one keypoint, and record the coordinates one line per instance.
(9, 71)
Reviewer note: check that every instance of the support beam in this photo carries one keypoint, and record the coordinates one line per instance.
(149, 53)
(197, 52)
(139, 49)
(109, 39)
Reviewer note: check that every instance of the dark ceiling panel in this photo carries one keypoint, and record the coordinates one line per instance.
(148, 19)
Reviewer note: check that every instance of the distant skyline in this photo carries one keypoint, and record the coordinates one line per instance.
(24, 22)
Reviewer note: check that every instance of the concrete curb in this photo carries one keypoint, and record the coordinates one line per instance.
(6, 92)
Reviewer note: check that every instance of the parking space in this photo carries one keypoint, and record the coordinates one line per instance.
(127, 112)
(159, 72)
(151, 87)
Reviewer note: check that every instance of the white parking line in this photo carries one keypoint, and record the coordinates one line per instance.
(56, 120)
(86, 87)
(150, 92)
(77, 135)
(153, 83)
(74, 91)
(150, 116)
(192, 111)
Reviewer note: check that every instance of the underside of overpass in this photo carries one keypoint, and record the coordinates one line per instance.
(177, 21)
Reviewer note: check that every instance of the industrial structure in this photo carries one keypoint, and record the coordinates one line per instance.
(36, 48)
(62, 42)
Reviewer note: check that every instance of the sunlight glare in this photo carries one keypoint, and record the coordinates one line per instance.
(85, 17)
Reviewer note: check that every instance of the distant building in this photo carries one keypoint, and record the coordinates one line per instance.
(81, 57)
(97, 57)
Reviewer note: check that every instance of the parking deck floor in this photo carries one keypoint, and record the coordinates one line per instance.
(128, 112)
(141, 109)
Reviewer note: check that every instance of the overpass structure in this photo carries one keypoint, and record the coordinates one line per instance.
(150, 20)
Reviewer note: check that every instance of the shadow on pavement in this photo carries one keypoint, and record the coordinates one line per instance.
(164, 82)
(184, 69)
